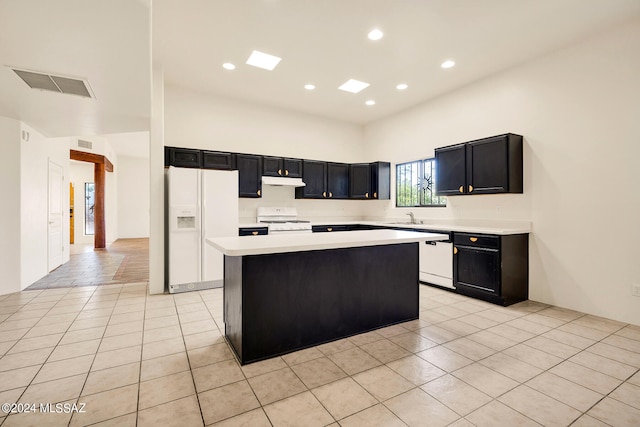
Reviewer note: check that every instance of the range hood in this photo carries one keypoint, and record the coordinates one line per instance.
(280, 181)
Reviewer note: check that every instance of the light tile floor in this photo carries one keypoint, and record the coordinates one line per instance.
(131, 359)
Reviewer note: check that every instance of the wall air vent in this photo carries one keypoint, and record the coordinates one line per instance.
(85, 144)
(43, 81)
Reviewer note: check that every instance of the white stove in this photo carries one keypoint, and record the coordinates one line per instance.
(282, 220)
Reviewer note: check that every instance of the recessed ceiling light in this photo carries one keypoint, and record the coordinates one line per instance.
(370, 102)
(309, 87)
(263, 60)
(353, 86)
(228, 66)
(402, 86)
(448, 63)
(375, 34)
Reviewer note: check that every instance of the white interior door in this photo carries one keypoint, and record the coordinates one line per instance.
(55, 215)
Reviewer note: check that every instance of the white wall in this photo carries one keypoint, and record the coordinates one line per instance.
(10, 214)
(197, 120)
(133, 197)
(579, 112)
(36, 152)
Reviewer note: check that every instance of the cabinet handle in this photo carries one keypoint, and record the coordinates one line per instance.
(324, 194)
(366, 195)
(470, 188)
(329, 229)
(279, 171)
(455, 250)
(330, 194)
(375, 194)
(461, 189)
(473, 239)
(255, 233)
(258, 192)
(286, 172)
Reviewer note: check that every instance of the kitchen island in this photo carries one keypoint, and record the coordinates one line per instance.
(283, 293)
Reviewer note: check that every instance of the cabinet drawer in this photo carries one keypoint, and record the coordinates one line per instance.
(253, 231)
(329, 228)
(476, 240)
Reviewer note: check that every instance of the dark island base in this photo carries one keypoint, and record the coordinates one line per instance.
(279, 303)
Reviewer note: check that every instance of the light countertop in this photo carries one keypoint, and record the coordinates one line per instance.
(493, 227)
(278, 243)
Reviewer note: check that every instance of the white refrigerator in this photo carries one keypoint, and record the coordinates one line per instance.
(201, 203)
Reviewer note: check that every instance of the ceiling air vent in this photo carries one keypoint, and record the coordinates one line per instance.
(71, 86)
(85, 144)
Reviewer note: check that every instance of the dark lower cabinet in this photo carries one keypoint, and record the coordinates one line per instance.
(249, 175)
(492, 268)
(329, 228)
(253, 231)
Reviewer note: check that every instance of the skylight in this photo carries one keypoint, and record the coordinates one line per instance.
(263, 60)
(353, 86)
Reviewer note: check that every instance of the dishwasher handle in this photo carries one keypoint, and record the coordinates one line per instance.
(435, 242)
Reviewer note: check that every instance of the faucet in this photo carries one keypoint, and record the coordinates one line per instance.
(413, 218)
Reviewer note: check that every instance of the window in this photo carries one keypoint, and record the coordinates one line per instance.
(89, 205)
(415, 184)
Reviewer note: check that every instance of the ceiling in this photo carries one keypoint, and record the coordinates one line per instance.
(104, 42)
(325, 43)
(320, 41)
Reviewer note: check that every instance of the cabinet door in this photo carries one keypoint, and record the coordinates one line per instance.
(314, 175)
(272, 166)
(338, 180)
(250, 175)
(381, 180)
(184, 157)
(478, 268)
(293, 168)
(217, 160)
(360, 181)
(487, 166)
(451, 170)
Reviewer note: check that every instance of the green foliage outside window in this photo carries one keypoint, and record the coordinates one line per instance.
(416, 184)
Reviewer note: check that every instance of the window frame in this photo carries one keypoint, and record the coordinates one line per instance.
(420, 190)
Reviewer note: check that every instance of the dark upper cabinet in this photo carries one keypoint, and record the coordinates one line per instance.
(360, 181)
(314, 175)
(451, 170)
(494, 165)
(218, 160)
(278, 166)
(272, 166)
(249, 175)
(182, 157)
(337, 181)
(381, 180)
(293, 168)
(492, 268)
(484, 166)
(370, 181)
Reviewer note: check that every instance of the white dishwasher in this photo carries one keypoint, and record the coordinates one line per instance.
(436, 262)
